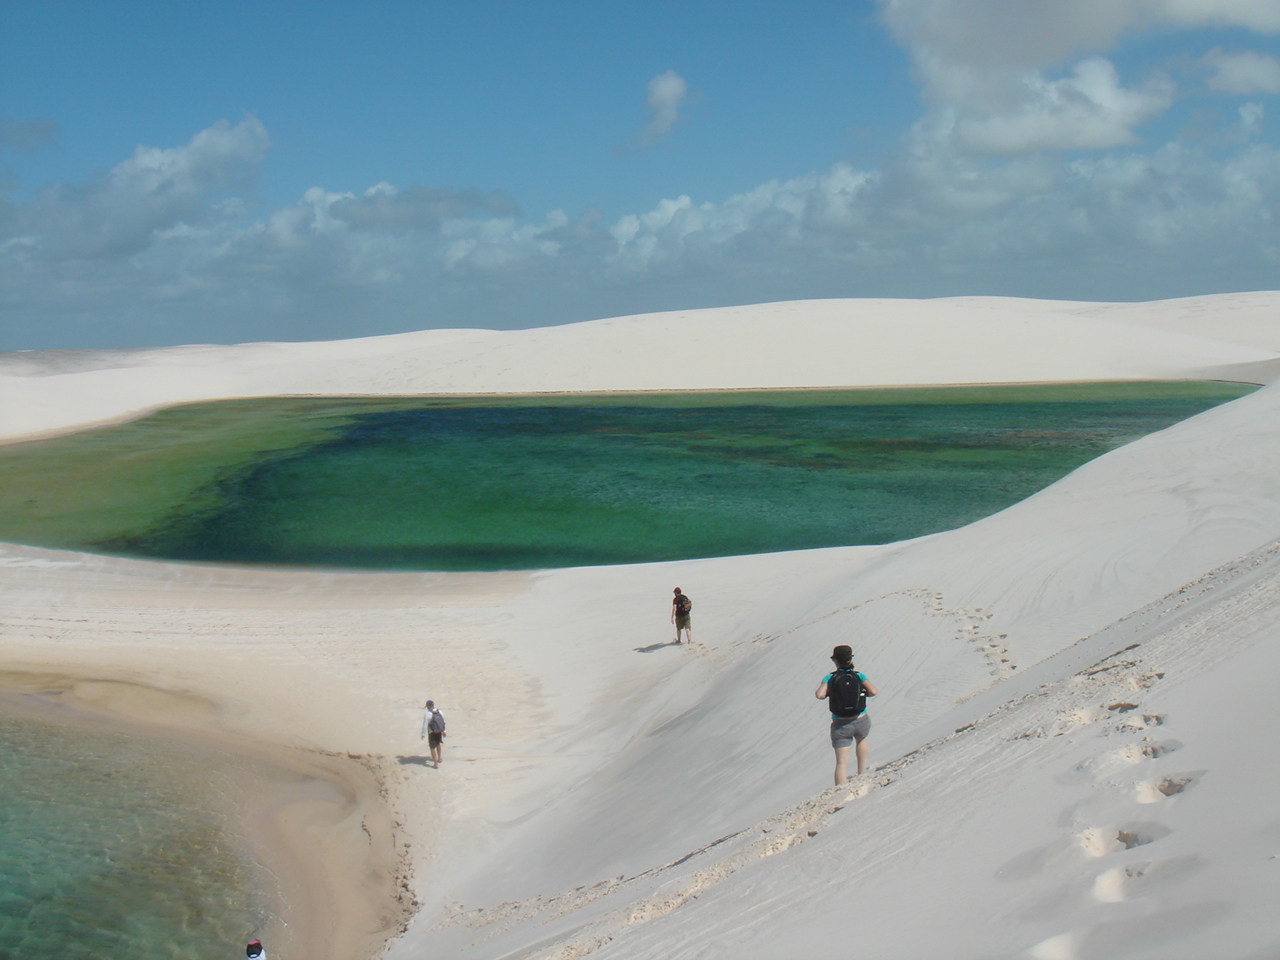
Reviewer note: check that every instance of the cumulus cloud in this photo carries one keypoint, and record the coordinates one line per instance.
(153, 191)
(1246, 72)
(665, 94)
(774, 216)
(1031, 34)
(1009, 76)
(1090, 109)
(165, 249)
(27, 136)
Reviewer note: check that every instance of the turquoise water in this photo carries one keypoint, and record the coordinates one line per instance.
(511, 483)
(111, 848)
(476, 488)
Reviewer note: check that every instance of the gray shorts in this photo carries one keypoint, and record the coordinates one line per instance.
(844, 732)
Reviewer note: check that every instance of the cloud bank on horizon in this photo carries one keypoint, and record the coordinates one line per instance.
(1048, 159)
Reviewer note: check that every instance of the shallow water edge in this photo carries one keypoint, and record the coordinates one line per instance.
(317, 824)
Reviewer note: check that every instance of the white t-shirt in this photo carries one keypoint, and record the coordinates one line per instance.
(426, 720)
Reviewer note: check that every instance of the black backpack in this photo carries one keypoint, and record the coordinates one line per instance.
(845, 694)
(683, 605)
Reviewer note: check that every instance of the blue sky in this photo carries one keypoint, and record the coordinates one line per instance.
(180, 173)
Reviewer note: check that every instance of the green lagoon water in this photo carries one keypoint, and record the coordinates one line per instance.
(485, 484)
(111, 848)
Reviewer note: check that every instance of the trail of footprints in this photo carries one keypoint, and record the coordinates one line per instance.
(1113, 772)
(807, 819)
(1108, 696)
(1109, 693)
(767, 838)
(969, 622)
(804, 821)
(1193, 620)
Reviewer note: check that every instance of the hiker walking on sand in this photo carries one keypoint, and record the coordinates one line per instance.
(680, 607)
(846, 691)
(433, 730)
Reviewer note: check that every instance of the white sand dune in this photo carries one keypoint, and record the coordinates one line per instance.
(1070, 748)
(811, 343)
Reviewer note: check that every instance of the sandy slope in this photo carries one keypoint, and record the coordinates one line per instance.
(1046, 788)
(933, 622)
(1246, 318)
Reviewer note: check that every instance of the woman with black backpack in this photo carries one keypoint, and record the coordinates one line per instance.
(846, 691)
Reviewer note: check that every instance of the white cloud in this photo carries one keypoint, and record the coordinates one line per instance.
(1035, 34)
(1251, 115)
(164, 249)
(1089, 109)
(1010, 76)
(152, 191)
(774, 216)
(1260, 15)
(1244, 73)
(666, 92)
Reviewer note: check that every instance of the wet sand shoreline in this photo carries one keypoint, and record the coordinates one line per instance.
(315, 825)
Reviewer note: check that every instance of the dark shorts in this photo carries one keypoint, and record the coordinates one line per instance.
(434, 739)
(844, 732)
(682, 621)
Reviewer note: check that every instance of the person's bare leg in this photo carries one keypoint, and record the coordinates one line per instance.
(842, 765)
(437, 754)
(862, 756)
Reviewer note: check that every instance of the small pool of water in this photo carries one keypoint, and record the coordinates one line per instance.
(112, 847)
(487, 484)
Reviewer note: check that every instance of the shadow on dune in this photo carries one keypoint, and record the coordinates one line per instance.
(420, 761)
(655, 646)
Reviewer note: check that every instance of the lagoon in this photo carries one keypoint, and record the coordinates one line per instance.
(549, 481)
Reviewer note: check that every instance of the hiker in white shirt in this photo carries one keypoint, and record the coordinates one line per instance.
(433, 730)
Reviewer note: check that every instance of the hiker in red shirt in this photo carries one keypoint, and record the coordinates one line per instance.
(680, 607)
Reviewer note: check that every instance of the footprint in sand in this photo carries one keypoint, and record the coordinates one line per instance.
(1152, 750)
(1112, 762)
(1099, 842)
(1161, 788)
(1132, 936)
(1139, 722)
(1133, 880)
(1096, 842)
